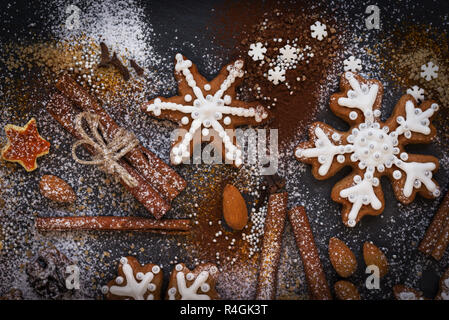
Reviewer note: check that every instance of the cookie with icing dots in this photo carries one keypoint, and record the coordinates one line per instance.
(207, 111)
(373, 148)
(135, 281)
(198, 284)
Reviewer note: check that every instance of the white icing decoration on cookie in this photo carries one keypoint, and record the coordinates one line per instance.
(361, 97)
(207, 111)
(190, 293)
(361, 194)
(407, 296)
(134, 288)
(373, 148)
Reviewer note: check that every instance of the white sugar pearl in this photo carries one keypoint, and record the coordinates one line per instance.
(205, 287)
(185, 120)
(207, 87)
(123, 260)
(353, 115)
(404, 156)
(205, 132)
(190, 276)
(351, 223)
(298, 153)
(178, 267)
(151, 287)
(104, 289)
(341, 158)
(155, 269)
(227, 121)
(119, 280)
(139, 276)
(397, 174)
(188, 98)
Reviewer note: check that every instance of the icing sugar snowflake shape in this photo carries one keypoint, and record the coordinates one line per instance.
(352, 64)
(135, 281)
(276, 75)
(372, 148)
(206, 110)
(417, 93)
(288, 54)
(429, 71)
(318, 30)
(257, 51)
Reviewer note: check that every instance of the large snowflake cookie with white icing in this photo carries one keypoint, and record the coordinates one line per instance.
(198, 284)
(372, 148)
(135, 281)
(207, 111)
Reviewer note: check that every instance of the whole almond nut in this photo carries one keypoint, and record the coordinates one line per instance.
(374, 256)
(235, 212)
(342, 258)
(345, 290)
(56, 189)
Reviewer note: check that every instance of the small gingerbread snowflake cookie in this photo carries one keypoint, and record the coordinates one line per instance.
(198, 284)
(135, 282)
(207, 110)
(372, 148)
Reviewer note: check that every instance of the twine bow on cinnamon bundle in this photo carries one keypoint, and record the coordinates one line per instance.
(108, 151)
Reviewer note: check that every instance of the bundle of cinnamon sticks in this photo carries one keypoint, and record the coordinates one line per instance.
(158, 184)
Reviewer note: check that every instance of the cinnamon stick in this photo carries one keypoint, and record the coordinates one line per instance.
(436, 227)
(154, 170)
(271, 247)
(108, 223)
(315, 276)
(442, 242)
(64, 112)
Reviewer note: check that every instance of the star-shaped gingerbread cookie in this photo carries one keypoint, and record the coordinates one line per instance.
(207, 111)
(24, 145)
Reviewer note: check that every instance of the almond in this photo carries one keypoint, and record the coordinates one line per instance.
(345, 290)
(235, 212)
(56, 189)
(374, 256)
(342, 258)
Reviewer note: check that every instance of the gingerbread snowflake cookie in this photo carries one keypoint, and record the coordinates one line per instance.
(207, 111)
(135, 281)
(198, 284)
(372, 148)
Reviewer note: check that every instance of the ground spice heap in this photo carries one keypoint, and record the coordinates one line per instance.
(281, 31)
(407, 49)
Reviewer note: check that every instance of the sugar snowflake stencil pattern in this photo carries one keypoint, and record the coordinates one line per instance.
(372, 148)
(276, 75)
(257, 51)
(207, 111)
(417, 93)
(429, 71)
(352, 64)
(318, 30)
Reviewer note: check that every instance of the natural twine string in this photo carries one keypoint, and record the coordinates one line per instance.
(108, 152)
